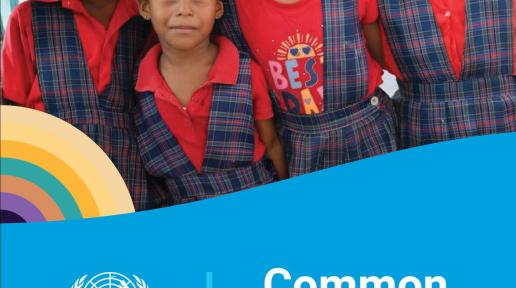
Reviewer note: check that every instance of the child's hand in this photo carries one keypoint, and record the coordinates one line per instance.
(270, 138)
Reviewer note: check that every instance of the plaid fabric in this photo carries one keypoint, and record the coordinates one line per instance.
(490, 32)
(228, 164)
(415, 40)
(358, 131)
(230, 139)
(345, 59)
(434, 106)
(433, 112)
(194, 187)
(69, 92)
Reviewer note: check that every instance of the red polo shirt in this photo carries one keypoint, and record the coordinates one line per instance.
(189, 124)
(450, 16)
(19, 72)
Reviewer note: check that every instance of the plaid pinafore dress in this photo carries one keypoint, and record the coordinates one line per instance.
(352, 126)
(228, 164)
(434, 105)
(68, 90)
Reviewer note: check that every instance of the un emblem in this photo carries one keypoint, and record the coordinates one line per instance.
(109, 280)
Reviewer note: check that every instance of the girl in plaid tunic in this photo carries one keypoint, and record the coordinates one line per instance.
(324, 82)
(75, 60)
(204, 116)
(455, 64)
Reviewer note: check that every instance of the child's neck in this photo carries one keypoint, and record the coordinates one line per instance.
(203, 53)
(102, 10)
(185, 71)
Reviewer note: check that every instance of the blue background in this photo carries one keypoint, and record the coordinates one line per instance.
(446, 209)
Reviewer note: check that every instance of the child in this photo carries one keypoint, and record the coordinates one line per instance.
(204, 116)
(455, 64)
(330, 112)
(75, 60)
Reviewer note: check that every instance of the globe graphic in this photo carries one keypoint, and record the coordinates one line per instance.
(110, 280)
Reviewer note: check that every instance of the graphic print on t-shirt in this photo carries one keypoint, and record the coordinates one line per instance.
(296, 73)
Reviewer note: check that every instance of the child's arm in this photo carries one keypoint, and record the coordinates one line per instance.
(369, 17)
(264, 121)
(373, 41)
(270, 138)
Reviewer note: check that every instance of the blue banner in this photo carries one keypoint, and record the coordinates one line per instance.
(441, 215)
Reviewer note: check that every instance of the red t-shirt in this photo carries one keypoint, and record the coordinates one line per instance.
(189, 124)
(19, 73)
(450, 16)
(277, 33)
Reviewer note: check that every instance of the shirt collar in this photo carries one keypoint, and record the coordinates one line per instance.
(225, 69)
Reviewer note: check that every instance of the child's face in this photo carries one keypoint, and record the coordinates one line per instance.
(182, 24)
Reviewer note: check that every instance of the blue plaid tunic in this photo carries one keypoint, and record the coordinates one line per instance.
(434, 105)
(68, 90)
(228, 164)
(350, 128)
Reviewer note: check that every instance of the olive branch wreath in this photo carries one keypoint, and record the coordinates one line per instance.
(79, 282)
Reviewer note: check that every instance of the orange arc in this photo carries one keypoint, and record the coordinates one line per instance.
(33, 194)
